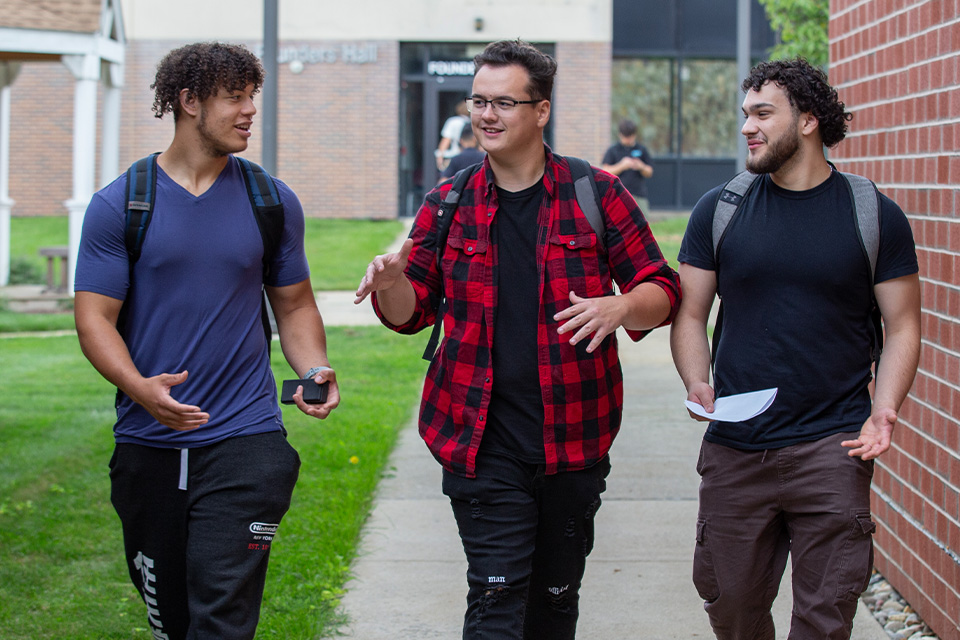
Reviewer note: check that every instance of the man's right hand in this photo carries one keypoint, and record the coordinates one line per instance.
(703, 394)
(384, 272)
(154, 396)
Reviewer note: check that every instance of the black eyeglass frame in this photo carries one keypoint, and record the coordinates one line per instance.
(510, 102)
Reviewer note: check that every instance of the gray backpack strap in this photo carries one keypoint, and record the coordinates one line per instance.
(866, 204)
(588, 197)
(730, 198)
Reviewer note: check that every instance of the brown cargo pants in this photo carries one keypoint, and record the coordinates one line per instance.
(809, 500)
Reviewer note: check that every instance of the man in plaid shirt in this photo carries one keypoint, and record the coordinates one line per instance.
(523, 398)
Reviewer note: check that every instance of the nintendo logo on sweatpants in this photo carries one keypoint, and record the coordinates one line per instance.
(264, 528)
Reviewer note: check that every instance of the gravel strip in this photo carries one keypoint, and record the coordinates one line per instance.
(894, 614)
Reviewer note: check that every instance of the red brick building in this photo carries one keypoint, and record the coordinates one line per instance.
(896, 64)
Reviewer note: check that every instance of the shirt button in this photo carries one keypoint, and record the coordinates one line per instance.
(481, 418)
(470, 248)
(573, 243)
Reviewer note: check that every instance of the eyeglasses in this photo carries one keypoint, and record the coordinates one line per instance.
(499, 104)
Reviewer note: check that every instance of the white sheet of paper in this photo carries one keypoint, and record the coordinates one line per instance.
(742, 406)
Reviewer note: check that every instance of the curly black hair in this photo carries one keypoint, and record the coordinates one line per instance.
(540, 67)
(203, 68)
(808, 91)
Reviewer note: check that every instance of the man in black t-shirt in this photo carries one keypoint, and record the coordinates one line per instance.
(797, 289)
(631, 162)
(468, 156)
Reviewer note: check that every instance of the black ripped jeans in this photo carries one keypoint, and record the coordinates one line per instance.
(526, 536)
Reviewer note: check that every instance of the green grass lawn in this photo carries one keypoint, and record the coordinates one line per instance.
(62, 573)
(669, 233)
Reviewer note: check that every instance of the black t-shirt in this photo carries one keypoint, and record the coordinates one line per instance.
(796, 294)
(515, 416)
(632, 179)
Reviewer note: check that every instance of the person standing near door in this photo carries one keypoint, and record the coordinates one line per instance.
(449, 145)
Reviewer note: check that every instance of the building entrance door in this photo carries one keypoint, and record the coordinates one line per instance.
(443, 95)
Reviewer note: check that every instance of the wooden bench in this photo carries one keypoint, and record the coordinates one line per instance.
(51, 254)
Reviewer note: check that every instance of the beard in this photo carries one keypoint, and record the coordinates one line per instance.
(211, 145)
(779, 152)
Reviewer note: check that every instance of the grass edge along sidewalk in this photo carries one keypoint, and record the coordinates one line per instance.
(62, 573)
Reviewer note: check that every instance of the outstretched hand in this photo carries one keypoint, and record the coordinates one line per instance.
(155, 397)
(384, 271)
(875, 435)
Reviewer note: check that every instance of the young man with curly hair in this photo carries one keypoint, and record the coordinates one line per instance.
(797, 291)
(202, 473)
(523, 399)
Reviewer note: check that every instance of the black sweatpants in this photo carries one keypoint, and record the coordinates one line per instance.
(197, 529)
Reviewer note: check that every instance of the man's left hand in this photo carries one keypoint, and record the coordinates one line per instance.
(333, 396)
(598, 317)
(874, 436)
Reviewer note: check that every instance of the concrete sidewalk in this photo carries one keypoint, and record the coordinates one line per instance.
(409, 579)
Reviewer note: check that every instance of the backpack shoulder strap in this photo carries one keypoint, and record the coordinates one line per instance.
(731, 197)
(866, 207)
(445, 214)
(268, 212)
(866, 203)
(141, 193)
(267, 208)
(588, 197)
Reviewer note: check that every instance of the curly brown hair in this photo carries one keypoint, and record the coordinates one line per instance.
(203, 69)
(808, 91)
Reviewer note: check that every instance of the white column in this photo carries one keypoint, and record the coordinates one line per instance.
(8, 73)
(110, 144)
(86, 70)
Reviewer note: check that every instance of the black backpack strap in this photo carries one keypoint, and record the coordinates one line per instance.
(268, 211)
(445, 214)
(728, 204)
(588, 197)
(141, 194)
(267, 208)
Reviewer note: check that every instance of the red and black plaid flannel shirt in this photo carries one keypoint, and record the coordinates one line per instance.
(582, 392)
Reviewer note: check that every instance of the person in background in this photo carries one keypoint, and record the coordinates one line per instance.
(469, 154)
(449, 145)
(631, 162)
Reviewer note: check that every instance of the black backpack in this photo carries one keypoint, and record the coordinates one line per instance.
(866, 212)
(264, 199)
(588, 198)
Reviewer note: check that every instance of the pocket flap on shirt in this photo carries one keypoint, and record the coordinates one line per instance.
(575, 240)
(467, 245)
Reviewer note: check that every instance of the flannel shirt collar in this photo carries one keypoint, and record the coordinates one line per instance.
(550, 177)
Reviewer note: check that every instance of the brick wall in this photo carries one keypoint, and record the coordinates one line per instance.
(41, 139)
(581, 105)
(896, 64)
(337, 131)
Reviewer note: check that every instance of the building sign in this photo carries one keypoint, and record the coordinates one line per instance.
(450, 68)
(347, 53)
